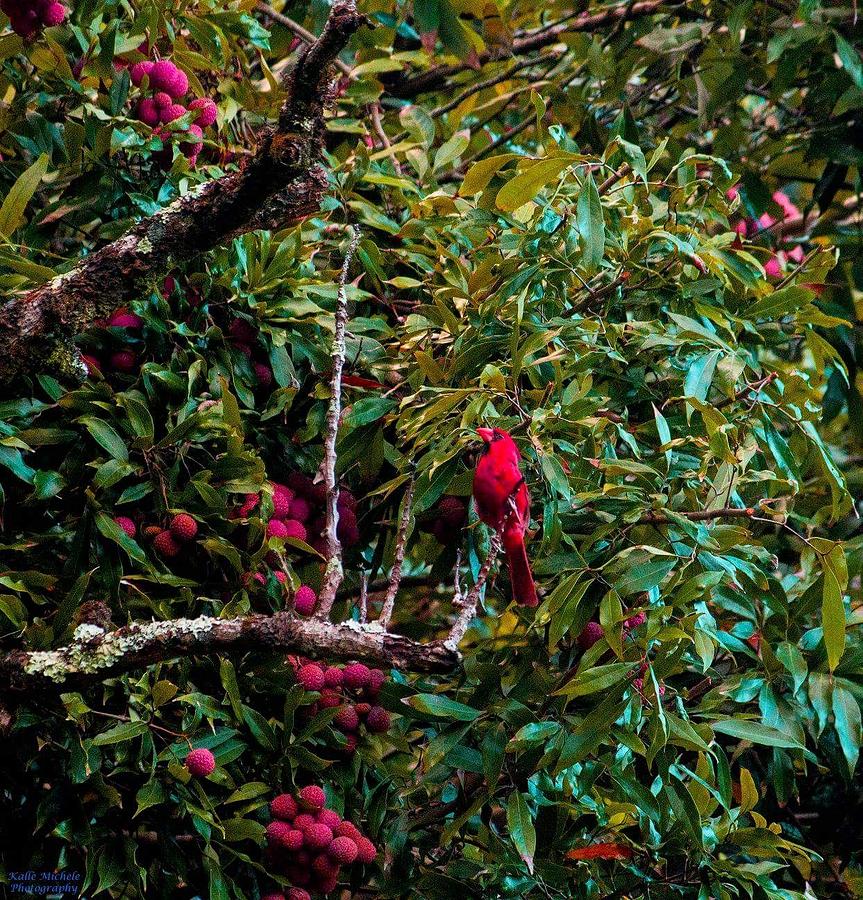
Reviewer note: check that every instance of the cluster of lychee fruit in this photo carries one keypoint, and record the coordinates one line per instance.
(168, 85)
(124, 359)
(298, 512)
(29, 17)
(354, 689)
(167, 542)
(309, 844)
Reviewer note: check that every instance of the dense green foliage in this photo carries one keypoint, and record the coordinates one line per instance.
(557, 254)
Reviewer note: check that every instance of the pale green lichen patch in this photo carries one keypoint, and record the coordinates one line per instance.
(94, 651)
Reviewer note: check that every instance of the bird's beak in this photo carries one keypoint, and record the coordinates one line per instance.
(486, 434)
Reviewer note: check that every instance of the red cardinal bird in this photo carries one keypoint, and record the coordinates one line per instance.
(503, 503)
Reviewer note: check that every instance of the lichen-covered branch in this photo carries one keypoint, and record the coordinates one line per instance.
(334, 574)
(398, 558)
(281, 182)
(470, 602)
(94, 654)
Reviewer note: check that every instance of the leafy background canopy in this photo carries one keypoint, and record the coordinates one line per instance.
(625, 232)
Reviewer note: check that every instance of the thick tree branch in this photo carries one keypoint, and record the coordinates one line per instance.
(95, 655)
(282, 181)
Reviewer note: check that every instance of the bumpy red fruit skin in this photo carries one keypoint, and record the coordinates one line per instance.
(53, 14)
(313, 797)
(356, 676)
(172, 113)
(351, 744)
(318, 836)
(295, 529)
(590, 634)
(276, 529)
(333, 677)
(200, 762)
(311, 677)
(139, 70)
(207, 111)
(305, 601)
(348, 829)
(298, 894)
(126, 524)
(281, 503)
(283, 807)
(376, 681)
(328, 817)
(366, 851)
(273, 897)
(330, 698)
(347, 719)
(294, 840)
(304, 820)
(184, 527)
(300, 509)
(324, 866)
(378, 720)
(343, 850)
(277, 832)
(166, 545)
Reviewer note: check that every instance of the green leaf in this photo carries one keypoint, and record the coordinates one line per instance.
(243, 830)
(835, 580)
(20, 194)
(780, 303)
(519, 823)
(755, 732)
(438, 705)
(106, 436)
(125, 731)
(847, 720)
(481, 173)
(595, 678)
(533, 177)
(151, 794)
(111, 530)
(591, 224)
(850, 59)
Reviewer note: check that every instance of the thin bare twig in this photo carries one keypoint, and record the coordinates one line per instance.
(705, 515)
(398, 559)
(334, 573)
(471, 601)
(378, 128)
